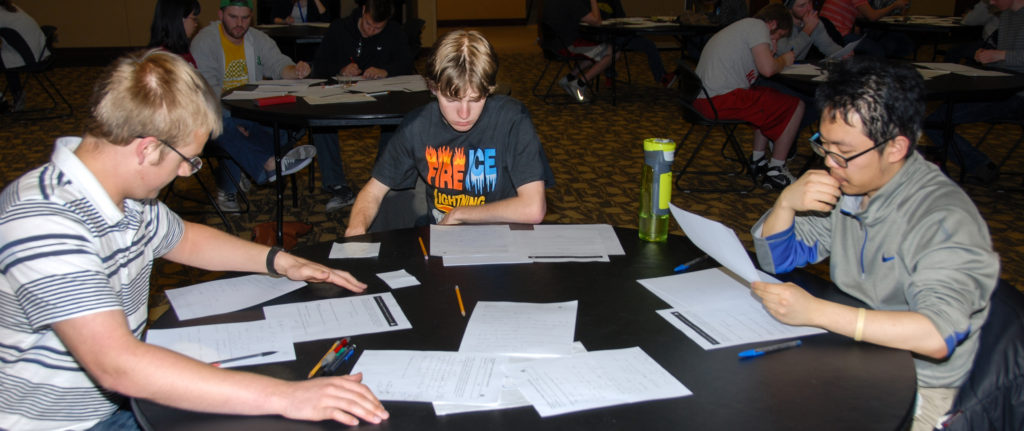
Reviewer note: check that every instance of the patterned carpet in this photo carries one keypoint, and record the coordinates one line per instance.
(595, 152)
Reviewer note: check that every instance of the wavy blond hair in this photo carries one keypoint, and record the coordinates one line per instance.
(152, 93)
(461, 62)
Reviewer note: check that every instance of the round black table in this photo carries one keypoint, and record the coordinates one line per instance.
(387, 109)
(831, 382)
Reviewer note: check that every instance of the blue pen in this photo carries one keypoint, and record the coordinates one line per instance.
(349, 354)
(692, 262)
(753, 353)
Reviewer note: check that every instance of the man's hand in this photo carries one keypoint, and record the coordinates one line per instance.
(299, 269)
(815, 190)
(788, 58)
(334, 398)
(298, 71)
(375, 73)
(351, 69)
(787, 302)
(451, 217)
(986, 56)
(810, 21)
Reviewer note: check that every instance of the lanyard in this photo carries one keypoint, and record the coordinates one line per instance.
(298, 4)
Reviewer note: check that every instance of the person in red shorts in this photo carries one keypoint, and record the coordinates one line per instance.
(729, 64)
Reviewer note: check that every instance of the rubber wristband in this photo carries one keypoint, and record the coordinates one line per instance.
(860, 324)
(271, 255)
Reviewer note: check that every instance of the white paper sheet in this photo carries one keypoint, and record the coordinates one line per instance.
(846, 50)
(398, 279)
(340, 317)
(596, 379)
(510, 395)
(718, 241)
(470, 240)
(497, 244)
(342, 250)
(227, 295)
(715, 310)
(802, 69)
(252, 95)
(212, 343)
(962, 69)
(289, 82)
(521, 329)
(408, 375)
(395, 83)
(339, 98)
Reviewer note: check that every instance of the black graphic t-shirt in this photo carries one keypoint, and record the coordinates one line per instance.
(485, 164)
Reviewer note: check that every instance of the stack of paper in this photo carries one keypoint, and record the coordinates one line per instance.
(494, 244)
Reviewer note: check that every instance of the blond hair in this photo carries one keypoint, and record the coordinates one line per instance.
(461, 62)
(152, 93)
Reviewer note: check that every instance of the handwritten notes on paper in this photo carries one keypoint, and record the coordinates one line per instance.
(596, 379)
(408, 375)
(521, 329)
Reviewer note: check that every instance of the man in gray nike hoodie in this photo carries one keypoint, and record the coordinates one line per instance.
(902, 237)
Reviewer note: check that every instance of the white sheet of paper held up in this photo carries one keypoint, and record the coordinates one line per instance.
(718, 241)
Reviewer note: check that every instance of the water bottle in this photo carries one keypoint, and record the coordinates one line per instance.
(656, 188)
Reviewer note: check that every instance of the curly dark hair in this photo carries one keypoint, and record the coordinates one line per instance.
(887, 96)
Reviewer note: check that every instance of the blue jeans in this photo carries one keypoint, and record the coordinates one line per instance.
(249, 152)
(974, 112)
(643, 44)
(122, 420)
(332, 173)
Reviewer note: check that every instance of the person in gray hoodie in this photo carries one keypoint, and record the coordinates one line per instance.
(901, 236)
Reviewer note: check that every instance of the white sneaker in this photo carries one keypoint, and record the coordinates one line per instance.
(294, 161)
(227, 202)
(777, 178)
(575, 90)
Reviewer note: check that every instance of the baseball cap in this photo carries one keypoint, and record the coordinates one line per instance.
(243, 3)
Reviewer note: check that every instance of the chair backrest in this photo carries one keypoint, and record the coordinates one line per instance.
(990, 398)
(13, 39)
(691, 87)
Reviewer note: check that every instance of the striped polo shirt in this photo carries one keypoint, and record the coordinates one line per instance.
(842, 13)
(66, 251)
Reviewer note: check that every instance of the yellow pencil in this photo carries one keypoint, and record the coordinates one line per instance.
(423, 247)
(322, 360)
(458, 295)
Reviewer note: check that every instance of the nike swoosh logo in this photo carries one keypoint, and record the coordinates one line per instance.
(887, 259)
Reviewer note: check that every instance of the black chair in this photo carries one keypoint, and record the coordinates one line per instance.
(1009, 154)
(36, 67)
(691, 87)
(211, 153)
(991, 398)
(555, 52)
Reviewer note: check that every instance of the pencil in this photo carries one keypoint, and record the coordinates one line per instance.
(423, 247)
(322, 360)
(462, 308)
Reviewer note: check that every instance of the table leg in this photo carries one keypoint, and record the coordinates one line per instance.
(279, 184)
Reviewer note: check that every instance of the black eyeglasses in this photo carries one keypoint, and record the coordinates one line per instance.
(196, 163)
(837, 158)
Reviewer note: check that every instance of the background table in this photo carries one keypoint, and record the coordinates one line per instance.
(828, 383)
(617, 32)
(388, 109)
(949, 88)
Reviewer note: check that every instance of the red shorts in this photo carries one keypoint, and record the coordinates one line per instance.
(767, 109)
